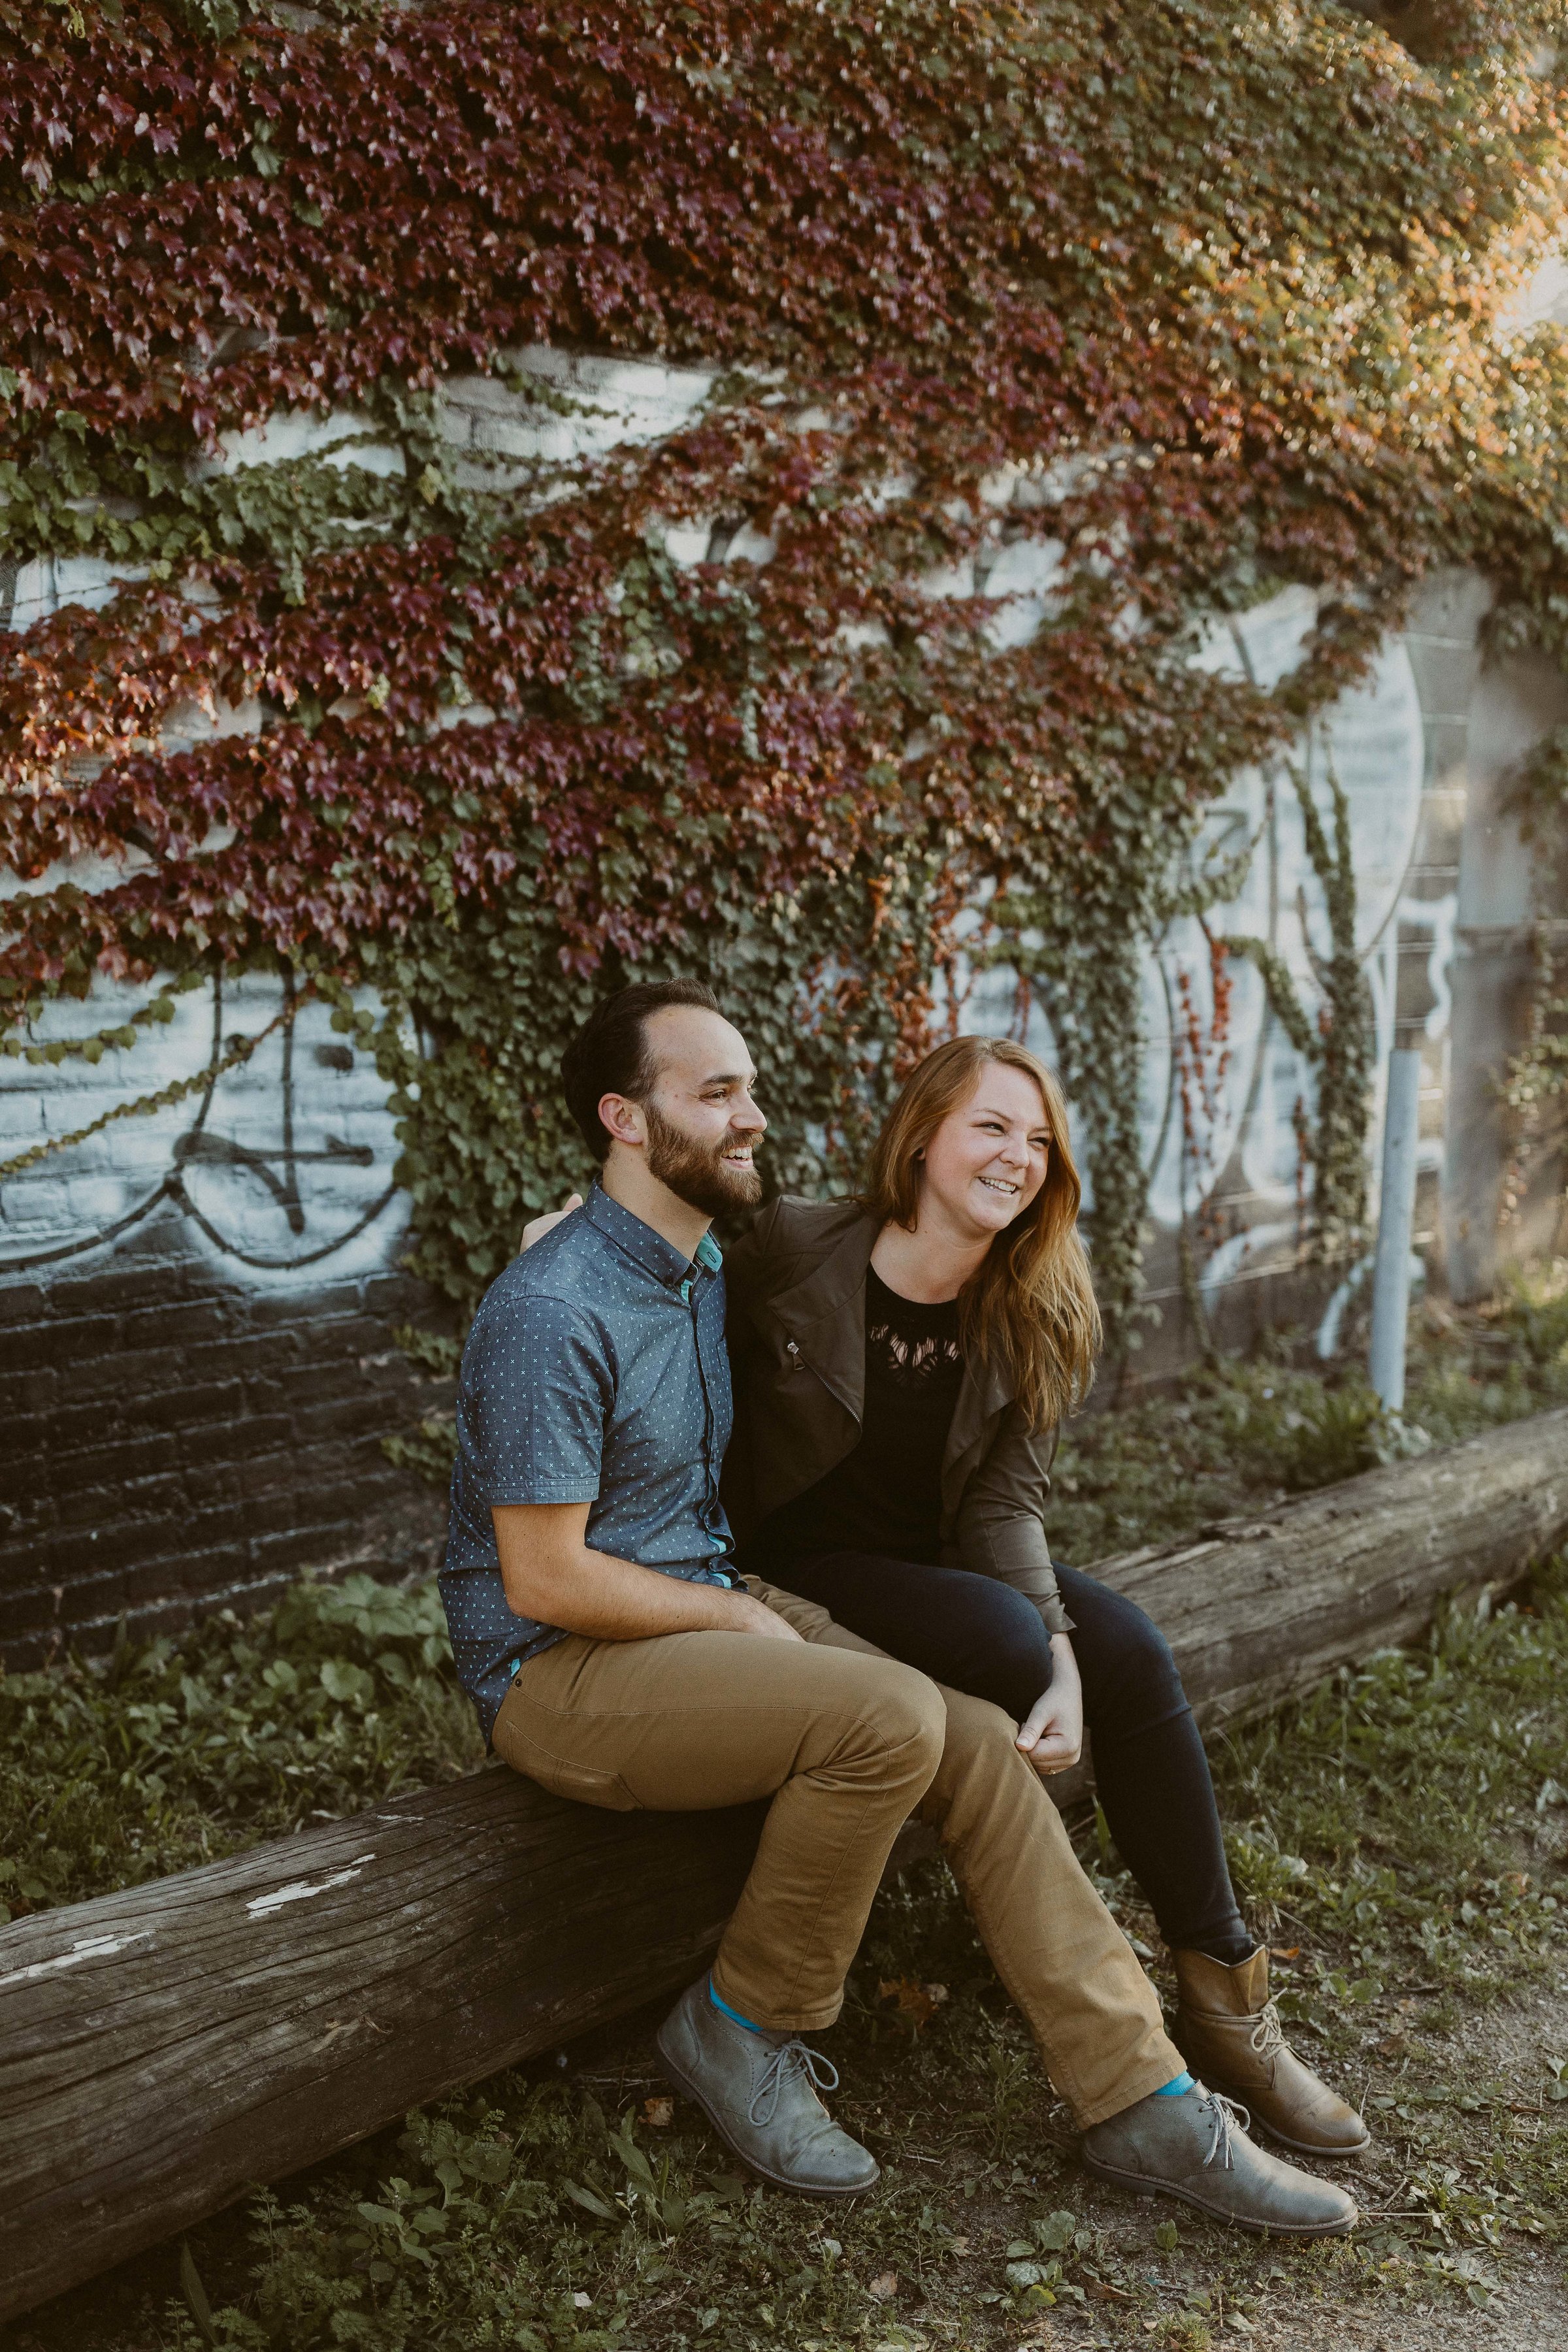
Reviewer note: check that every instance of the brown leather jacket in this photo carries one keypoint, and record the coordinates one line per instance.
(796, 1333)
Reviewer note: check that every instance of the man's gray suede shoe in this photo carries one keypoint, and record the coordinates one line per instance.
(759, 2092)
(1193, 2147)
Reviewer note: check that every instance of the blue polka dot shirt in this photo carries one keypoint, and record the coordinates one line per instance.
(596, 1372)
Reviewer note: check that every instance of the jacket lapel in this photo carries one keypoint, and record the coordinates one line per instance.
(985, 1394)
(824, 1315)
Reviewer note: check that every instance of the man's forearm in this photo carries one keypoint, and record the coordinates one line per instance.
(611, 1600)
(550, 1573)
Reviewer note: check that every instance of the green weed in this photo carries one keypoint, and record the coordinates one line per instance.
(174, 1752)
(1235, 1437)
(1426, 1787)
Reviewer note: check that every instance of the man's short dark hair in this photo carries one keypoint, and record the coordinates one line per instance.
(609, 1054)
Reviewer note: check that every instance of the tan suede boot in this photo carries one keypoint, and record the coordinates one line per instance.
(1228, 2031)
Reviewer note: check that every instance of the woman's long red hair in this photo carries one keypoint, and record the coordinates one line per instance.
(1031, 1307)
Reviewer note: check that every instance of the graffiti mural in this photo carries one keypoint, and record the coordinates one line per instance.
(1223, 1092)
(277, 1166)
(1239, 1140)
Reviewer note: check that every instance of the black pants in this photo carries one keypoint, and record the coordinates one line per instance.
(1149, 1768)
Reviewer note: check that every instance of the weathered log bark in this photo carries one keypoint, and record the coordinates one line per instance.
(163, 2049)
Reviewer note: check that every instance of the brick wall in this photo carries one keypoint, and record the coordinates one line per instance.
(196, 1315)
(174, 1442)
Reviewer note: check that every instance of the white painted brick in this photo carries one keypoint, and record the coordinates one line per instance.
(1273, 636)
(301, 433)
(51, 580)
(620, 400)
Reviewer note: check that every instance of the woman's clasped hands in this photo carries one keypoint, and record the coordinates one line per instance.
(1051, 1735)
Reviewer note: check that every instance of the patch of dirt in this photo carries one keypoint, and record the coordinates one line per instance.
(1534, 2319)
(1297, 2302)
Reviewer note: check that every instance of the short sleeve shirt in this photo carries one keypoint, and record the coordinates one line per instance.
(594, 1372)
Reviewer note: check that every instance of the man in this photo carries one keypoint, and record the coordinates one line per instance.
(616, 1655)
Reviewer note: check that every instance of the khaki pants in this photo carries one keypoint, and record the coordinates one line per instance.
(847, 1743)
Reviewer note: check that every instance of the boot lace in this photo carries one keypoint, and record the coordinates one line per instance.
(1267, 2035)
(1226, 2118)
(791, 2058)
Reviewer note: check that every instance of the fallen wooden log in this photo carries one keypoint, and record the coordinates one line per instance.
(1260, 1609)
(163, 2049)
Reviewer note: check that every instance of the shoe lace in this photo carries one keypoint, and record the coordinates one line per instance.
(1226, 2118)
(790, 2058)
(1268, 2034)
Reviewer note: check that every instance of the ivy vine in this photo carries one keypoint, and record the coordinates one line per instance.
(1337, 1040)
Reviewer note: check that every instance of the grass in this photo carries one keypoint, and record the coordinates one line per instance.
(1400, 1837)
(170, 1754)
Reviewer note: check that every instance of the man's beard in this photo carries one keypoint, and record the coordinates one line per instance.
(697, 1173)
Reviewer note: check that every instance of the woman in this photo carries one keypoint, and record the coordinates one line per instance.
(901, 1364)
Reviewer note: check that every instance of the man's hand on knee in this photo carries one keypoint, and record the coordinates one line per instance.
(756, 1617)
(810, 1621)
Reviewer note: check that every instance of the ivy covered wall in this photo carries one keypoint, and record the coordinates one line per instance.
(786, 491)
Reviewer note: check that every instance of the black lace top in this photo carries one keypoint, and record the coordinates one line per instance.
(885, 1496)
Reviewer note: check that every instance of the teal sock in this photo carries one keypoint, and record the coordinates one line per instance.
(1172, 2090)
(746, 2022)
